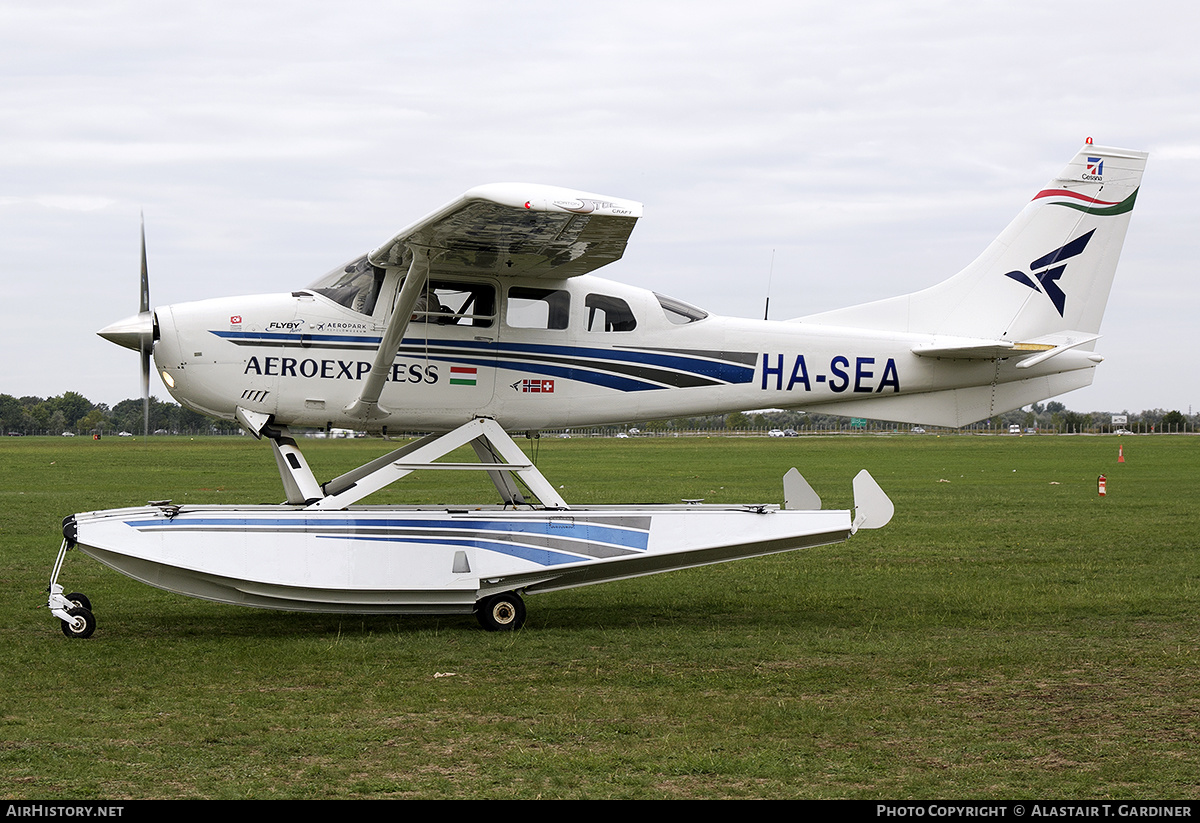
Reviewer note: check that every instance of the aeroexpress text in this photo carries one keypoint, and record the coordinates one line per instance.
(338, 369)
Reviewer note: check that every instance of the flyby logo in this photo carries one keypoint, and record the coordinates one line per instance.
(1049, 274)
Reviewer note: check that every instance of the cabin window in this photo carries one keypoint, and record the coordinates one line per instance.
(354, 285)
(679, 312)
(606, 313)
(531, 308)
(449, 303)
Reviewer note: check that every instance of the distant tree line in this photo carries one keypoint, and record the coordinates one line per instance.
(1044, 417)
(72, 412)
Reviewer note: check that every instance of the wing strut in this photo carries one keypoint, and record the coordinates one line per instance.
(491, 443)
(367, 407)
(499, 456)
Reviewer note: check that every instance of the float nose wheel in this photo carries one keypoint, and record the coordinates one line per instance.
(73, 610)
(501, 612)
(79, 623)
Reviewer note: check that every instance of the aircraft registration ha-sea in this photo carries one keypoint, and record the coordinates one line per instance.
(485, 318)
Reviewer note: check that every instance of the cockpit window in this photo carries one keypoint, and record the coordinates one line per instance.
(354, 285)
(606, 313)
(532, 308)
(456, 304)
(678, 312)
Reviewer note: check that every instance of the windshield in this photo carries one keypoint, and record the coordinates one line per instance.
(354, 285)
(679, 312)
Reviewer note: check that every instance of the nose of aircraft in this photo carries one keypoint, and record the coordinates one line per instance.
(136, 332)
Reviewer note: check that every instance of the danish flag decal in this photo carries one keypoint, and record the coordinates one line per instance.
(1048, 277)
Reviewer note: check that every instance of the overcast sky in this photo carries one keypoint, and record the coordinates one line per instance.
(868, 148)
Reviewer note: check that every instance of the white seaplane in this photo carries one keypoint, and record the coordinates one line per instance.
(484, 318)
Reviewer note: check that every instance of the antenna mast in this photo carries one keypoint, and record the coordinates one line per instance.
(770, 274)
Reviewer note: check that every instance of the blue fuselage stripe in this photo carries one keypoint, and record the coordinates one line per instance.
(497, 354)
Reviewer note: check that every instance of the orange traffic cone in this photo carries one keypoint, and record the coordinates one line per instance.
(1120, 454)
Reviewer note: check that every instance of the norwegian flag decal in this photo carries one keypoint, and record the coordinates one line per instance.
(536, 386)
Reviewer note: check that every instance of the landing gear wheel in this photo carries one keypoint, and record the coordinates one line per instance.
(81, 625)
(501, 612)
(80, 600)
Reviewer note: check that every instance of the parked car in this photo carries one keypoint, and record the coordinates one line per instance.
(917, 430)
(775, 433)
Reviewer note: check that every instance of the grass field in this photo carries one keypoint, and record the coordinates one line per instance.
(1009, 635)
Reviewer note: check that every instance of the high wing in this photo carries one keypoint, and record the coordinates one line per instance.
(500, 229)
(517, 229)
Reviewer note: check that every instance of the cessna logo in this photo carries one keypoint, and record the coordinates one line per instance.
(1048, 277)
(1094, 169)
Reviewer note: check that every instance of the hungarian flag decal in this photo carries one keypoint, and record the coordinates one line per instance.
(462, 375)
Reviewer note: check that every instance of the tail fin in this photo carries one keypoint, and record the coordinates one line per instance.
(1049, 272)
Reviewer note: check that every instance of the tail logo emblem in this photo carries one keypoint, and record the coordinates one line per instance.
(1094, 169)
(1049, 274)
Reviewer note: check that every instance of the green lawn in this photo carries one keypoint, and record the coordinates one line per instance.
(1009, 635)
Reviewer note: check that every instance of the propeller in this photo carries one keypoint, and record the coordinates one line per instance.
(137, 333)
(145, 341)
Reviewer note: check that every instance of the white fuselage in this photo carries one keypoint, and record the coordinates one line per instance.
(302, 358)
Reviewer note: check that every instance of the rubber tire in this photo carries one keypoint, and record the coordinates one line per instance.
(88, 627)
(501, 612)
(80, 600)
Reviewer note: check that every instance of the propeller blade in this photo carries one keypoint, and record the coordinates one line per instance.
(146, 343)
(144, 302)
(145, 391)
(137, 333)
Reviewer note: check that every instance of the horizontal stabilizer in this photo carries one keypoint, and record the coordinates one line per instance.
(971, 350)
(1030, 352)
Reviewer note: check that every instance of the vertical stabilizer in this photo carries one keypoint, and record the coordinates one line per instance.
(1049, 271)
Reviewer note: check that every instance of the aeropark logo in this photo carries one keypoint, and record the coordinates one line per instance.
(331, 326)
(1048, 277)
(1094, 170)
